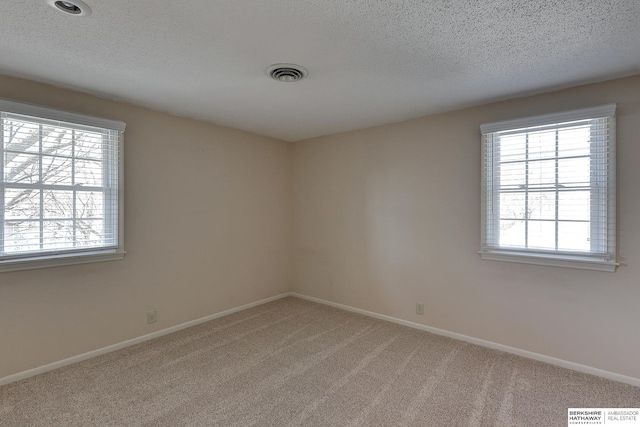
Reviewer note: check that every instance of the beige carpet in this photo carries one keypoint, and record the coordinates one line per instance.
(296, 363)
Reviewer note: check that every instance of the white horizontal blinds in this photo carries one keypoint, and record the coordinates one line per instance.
(59, 187)
(548, 188)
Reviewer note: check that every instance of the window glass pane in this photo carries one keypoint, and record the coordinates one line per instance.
(21, 204)
(21, 136)
(545, 182)
(542, 205)
(57, 141)
(512, 233)
(59, 186)
(58, 204)
(512, 175)
(513, 147)
(575, 205)
(89, 173)
(542, 145)
(21, 236)
(574, 172)
(57, 170)
(23, 168)
(542, 173)
(89, 204)
(512, 206)
(542, 235)
(58, 234)
(574, 141)
(89, 145)
(90, 233)
(574, 236)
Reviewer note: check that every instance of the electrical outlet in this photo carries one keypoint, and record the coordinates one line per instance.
(151, 316)
(419, 308)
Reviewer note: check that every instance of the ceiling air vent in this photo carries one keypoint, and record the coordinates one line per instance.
(70, 7)
(286, 72)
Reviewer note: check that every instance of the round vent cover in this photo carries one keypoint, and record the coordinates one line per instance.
(71, 7)
(287, 72)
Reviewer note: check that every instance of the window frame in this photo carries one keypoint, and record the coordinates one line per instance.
(84, 255)
(490, 249)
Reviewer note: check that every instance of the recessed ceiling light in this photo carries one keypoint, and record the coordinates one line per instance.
(286, 73)
(70, 7)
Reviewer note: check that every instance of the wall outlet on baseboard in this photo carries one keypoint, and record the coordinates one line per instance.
(151, 316)
(419, 308)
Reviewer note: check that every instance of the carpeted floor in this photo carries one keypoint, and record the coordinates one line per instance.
(297, 363)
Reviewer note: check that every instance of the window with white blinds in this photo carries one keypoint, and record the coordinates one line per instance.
(548, 189)
(60, 187)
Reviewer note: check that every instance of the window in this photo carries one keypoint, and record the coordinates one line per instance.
(548, 189)
(60, 188)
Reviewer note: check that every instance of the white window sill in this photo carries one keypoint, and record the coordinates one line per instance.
(569, 262)
(59, 260)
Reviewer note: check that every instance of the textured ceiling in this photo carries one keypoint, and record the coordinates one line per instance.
(370, 62)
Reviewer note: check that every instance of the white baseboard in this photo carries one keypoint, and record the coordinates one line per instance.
(489, 344)
(108, 349)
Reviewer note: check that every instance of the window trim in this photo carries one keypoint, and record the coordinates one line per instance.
(83, 256)
(606, 262)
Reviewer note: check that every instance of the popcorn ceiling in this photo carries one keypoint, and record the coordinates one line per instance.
(369, 62)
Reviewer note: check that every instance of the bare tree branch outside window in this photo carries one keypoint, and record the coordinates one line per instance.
(67, 210)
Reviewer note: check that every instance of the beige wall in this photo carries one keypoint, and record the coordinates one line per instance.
(208, 228)
(382, 218)
(390, 216)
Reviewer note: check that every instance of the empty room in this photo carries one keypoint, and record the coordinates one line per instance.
(319, 213)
